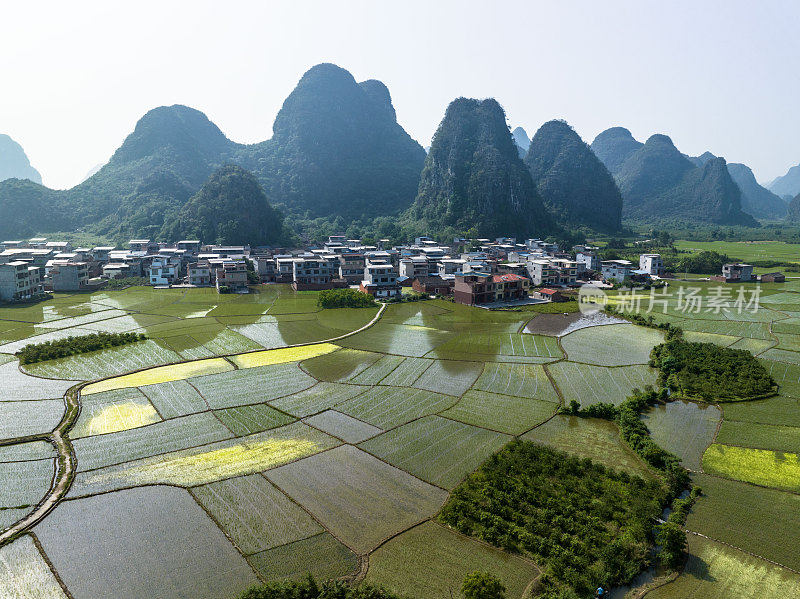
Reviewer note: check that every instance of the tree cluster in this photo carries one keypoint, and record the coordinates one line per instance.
(709, 372)
(61, 348)
(590, 525)
(308, 588)
(344, 298)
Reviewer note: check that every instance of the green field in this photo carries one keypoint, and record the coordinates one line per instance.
(388, 407)
(763, 521)
(683, 428)
(715, 571)
(763, 436)
(322, 556)
(24, 572)
(435, 449)
(746, 251)
(503, 413)
(430, 561)
(611, 345)
(591, 438)
(360, 499)
(525, 380)
(589, 384)
(758, 466)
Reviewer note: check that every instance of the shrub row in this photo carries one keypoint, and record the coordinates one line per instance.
(50, 350)
(344, 298)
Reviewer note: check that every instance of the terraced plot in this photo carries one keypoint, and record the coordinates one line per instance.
(501, 346)
(24, 574)
(360, 499)
(154, 439)
(715, 571)
(341, 365)
(108, 362)
(683, 428)
(503, 413)
(283, 355)
(252, 385)
(782, 355)
(25, 483)
(209, 463)
(318, 398)
(378, 371)
(174, 398)
(430, 561)
(387, 407)
(435, 449)
(779, 410)
(322, 556)
(591, 438)
(589, 384)
(113, 411)
(407, 372)
(754, 346)
(611, 345)
(33, 450)
(449, 377)
(780, 470)
(786, 375)
(145, 541)
(161, 374)
(255, 514)
(762, 436)
(763, 521)
(526, 380)
(18, 386)
(343, 426)
(403, 340)
(21, 418)
(246, 420)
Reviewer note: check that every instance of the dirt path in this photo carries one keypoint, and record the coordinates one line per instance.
(67, 462)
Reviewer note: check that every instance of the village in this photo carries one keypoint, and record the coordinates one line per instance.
(480, 272)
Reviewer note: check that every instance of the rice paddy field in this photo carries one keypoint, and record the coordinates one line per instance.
(334, 457)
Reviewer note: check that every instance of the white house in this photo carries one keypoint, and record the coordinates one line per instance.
(651, 264)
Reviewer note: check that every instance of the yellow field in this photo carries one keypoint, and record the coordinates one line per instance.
(121, 417)
(758, 466)
(222, 460)
(160, 374)
(280, 356)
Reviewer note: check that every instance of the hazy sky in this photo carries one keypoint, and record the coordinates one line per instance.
(714, 75)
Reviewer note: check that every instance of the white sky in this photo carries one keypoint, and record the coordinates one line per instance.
(718, 75)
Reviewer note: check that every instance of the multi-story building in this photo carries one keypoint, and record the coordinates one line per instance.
(311, 271)
(414, 267)
(450, 266)
(351, 267)
(473, 288)
(232, 276)
(68, 276)
(510, 287)
(651, 264)
(616, 269)
(737, 273)
(100, 253)
(587, 260)
(19, 281)
(164, 271)
(552, 271)
(199, 274)
(190, 246)
(380, 279)
(142, 245)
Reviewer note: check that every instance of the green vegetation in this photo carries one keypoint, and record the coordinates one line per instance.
(706, 262)
(471, 174)
(482, 585)
(575, 186)
(709, 372)
(50, 350)
(307, 588)
(344, 298)
(777, 469)
(430, 561)
(589, 525)
(229, 209)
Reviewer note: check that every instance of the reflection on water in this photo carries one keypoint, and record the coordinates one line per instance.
(561, 324)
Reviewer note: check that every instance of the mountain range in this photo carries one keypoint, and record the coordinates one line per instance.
(787, 186)
(660, 184)
(339, 158)
(14, 163)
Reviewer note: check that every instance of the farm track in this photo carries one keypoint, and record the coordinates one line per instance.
(67, 462)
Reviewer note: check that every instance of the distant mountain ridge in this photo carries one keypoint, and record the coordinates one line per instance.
(788, 184)
(522, 140)
(14, 163)
(659, 184)
(337, 150)
(474, 183)
(574, 184)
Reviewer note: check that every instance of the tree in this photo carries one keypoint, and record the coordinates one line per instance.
(482, 585)
(672, 539)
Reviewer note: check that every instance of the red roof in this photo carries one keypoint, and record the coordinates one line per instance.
(548, 291)
(507, 278)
